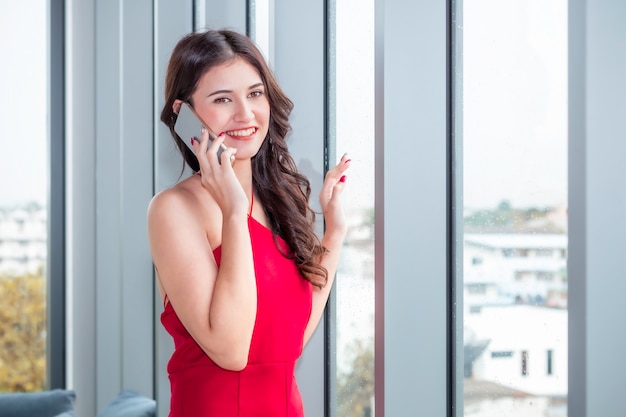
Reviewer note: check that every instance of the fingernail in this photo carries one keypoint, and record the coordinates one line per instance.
(221, 134)
(342, 179)
(202, 129)
(347, 161)
(192, 141)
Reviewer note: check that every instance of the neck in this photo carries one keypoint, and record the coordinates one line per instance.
(243, 171)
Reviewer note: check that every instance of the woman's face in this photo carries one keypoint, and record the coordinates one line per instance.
(231, 98)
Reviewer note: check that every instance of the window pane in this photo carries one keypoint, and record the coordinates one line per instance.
(352, 130)
(23, 199)
(512, 120)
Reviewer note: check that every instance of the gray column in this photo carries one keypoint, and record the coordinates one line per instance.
(124, 282)
(109, 76)
(218, 14)
(597, 203)
(412, 209)
(81, 203)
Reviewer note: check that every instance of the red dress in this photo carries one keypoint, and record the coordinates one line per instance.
(267, 386)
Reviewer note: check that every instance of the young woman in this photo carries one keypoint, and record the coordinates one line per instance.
(243, 277)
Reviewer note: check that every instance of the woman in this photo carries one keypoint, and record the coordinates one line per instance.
(243, 277)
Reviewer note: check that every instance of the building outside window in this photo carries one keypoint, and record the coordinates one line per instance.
(24, 177)
(512, 113)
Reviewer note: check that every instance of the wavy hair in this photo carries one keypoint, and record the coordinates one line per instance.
(282, 190)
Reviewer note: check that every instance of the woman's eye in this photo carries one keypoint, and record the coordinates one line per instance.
(222, 100)
(256, 94)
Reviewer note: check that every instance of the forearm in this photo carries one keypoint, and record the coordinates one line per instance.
(332, 242)
(234, 302)
(333, 238)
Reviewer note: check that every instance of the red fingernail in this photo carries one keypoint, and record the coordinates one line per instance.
(342, 179)
(347, 160)
(221, 134)
(192, 140)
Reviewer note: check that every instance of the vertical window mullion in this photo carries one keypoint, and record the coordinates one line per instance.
(56, 360)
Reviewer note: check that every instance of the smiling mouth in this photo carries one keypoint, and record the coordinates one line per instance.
(242, 133)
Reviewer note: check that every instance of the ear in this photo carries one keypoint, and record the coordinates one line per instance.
(176, 105)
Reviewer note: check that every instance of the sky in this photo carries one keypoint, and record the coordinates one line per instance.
(23, 110)
(513, 109)
(514, 105)
(514, 89)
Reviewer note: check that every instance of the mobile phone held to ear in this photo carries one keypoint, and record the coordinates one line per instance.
(189, 125)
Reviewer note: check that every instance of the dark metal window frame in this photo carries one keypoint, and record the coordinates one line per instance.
(56, 359)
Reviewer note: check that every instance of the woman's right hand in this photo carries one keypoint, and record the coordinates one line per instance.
(218, 177)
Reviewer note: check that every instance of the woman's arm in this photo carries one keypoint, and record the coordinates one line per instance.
(332, 241)
(217, 306)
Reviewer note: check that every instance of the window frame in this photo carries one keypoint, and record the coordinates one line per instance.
(56, 289)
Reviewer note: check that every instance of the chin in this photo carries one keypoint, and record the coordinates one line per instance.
(243, 153)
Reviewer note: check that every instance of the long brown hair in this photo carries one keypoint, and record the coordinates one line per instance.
(282, 190)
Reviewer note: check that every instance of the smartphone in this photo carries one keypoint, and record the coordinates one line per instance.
(189, 125)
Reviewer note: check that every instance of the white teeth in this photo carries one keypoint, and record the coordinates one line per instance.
(246, 132)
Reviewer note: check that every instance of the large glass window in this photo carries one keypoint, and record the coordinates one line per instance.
(23, 196)
(511, 113)
(351, 120)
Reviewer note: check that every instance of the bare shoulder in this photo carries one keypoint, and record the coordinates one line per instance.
(178, 230)
(184, 208)
(171, 200)
(186, 195)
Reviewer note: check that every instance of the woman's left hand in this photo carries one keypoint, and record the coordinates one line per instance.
(332, 241)
(330, 200)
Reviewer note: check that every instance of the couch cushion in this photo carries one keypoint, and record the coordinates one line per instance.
(36, 404)
(130, 404)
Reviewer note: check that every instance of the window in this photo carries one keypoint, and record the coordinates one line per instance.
(352, 130)
(545, 276)
(524, 363)
(549, 354)
(511, 121)
(24, 208)
(502, 354)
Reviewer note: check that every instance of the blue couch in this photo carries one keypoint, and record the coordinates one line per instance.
(60, 403)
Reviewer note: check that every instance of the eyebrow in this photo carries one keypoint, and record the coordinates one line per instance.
(230, 91)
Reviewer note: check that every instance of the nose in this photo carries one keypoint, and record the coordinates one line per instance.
(243, 111)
